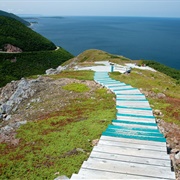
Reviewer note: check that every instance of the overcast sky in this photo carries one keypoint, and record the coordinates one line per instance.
(150, 8)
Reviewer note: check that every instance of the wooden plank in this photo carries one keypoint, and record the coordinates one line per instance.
(133, 141)
(86, 173)
(132, 152)
(133, 104)
(148, 117)
(134, 129)
(120, 87)
(129, 168)
(134, 108)
(134, 132)
(134, 91)
(135, 146)
(134, 125)
(130, 159)
(134, 111)
(134, 136)
(131, 119)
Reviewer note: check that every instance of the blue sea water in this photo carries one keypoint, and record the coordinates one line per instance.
(133, 37)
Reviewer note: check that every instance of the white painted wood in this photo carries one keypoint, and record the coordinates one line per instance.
(133, 145)
(130, 159)
(133, 141)
(138, 104)
(135, 111)
(120, 87)
(133, 91)
(86, 173)
(129, 168)
(134, 125)
(136, 119)
(131, 96)
(130, 151)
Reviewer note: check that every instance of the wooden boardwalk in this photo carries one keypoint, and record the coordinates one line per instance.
(132, 146)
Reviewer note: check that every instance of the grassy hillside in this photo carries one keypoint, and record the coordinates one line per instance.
(28, 64)
(11, 15)
(14, 32)
(61, 126)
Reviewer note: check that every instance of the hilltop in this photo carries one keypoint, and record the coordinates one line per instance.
(51, 121)
(11, 15)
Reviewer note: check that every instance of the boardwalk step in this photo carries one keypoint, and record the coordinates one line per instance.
(134, 136)
(133, 129)
(133, 108)
(133, 141)
(90, 174)
(133, 145)
(129, 168)
(134, 125)
(133, 132)
(130, 159)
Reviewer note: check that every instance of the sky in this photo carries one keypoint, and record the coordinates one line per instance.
(144, 8)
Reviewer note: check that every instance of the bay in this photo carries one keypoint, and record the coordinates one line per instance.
(133, 37)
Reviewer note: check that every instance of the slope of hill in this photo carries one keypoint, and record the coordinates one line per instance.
(11, 15)
(17, 34)
(62, 114)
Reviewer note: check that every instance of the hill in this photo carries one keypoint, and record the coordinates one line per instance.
(11, 15)
(60, 115)
(19, 35)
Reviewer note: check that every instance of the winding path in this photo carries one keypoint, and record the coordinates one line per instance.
(132, 146)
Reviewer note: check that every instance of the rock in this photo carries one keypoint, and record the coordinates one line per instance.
(18, 124)
(174, 150)
(177, 156)
(55, 71)
(60, 68)
(80, 150)
(23, 91)
(1, 116)
(11, 48)
(50, 71)
(157, 112)
(95, 142)
(8, 118)
(63, 177)
(6, 129)
(161, 95)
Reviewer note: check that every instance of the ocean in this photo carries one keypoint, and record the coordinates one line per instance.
(133, 37)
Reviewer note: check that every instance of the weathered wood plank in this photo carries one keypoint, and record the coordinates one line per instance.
(136, 146)
(90, 174)
(134, 125)
(130, 159)
(129, 168)
(134, 141)
(130, 151)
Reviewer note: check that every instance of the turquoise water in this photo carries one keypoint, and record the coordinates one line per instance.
(136, 38)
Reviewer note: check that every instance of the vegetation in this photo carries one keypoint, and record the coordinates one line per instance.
(77, 87)
(92, 55)
(11, 15)
(154, 83)
(164, 69)
(28, 64)
(58, 144)
(81, 75)
(14, 32)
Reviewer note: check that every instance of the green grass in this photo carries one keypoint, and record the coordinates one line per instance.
(80, 75)
(48, 146)
(77, 87)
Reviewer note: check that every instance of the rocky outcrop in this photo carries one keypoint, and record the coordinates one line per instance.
(11, 48)
(13, 94)
(55, 71)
